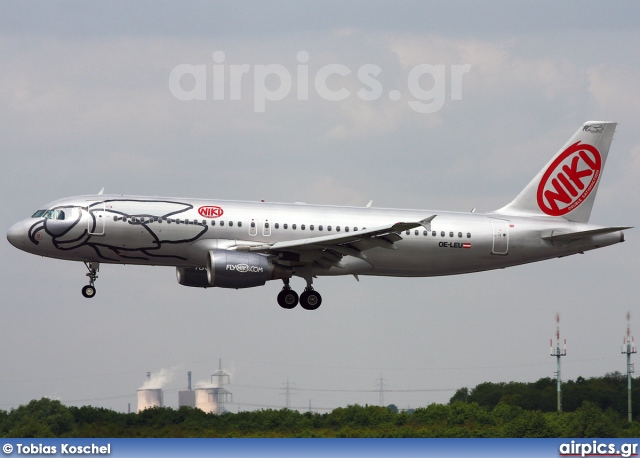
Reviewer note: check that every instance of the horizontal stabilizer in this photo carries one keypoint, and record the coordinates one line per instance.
(571, 236)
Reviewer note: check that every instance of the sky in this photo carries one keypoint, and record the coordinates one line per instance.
(411, 104)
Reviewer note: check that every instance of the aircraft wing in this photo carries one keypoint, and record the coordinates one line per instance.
(328, 250)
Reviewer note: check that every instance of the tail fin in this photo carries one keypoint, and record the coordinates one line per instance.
(567, 185)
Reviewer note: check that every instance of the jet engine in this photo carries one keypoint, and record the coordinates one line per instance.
(192, 276)
(232, 269)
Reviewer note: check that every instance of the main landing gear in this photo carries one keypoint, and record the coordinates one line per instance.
(309, 299)
(90, 290)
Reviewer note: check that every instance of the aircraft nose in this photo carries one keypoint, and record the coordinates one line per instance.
(17, 235)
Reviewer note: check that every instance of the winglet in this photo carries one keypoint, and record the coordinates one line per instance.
(369, 204)
(399, 227)
(427, 221)
(101, 191)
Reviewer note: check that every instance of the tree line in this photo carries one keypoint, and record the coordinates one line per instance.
(592, 409)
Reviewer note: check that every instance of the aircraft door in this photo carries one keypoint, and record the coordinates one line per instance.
(97, 218)
(500, 237)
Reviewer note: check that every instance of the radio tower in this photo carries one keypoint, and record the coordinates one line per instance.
(221, 393)
(628, 348)
(558, 353)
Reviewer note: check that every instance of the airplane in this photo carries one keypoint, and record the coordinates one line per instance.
(237, 244)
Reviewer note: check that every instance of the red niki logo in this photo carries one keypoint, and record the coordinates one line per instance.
(210, 211)
(569, 179)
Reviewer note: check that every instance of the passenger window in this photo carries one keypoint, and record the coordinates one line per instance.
(221, 223)
(346, 228)
(293, 226)
(266, 225)
(459, 235)
(311, 227)
(286, 226)
(213, 223)
(355, 229)
(425, 233)
(302, 227)
(338, 228)
(408, 232)
(320, 227)
(450, 234)
(329, 228)
(239, 223)
(277, 226)
(441, 233)
(416, 232)
(468, 235)
(253, 224)
(230, 223)
(433, 233)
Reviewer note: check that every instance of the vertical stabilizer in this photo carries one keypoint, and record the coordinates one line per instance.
(566, 187)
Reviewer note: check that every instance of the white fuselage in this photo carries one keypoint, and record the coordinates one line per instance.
(230, 244)
(161, 231)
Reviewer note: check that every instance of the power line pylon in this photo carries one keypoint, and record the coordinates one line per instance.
(381, 386)
(220, 392)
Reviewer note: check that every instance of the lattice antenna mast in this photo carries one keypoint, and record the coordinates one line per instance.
(221, 394)
(558, 352)
(629, 348)
(381, 386)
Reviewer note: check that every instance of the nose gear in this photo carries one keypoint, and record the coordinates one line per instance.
(90, 290)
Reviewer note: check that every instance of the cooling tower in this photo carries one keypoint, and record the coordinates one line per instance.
(206, 399)
(149, 398)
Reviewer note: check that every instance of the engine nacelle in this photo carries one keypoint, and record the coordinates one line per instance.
(193, 276)
(235, 269)
(232, 269)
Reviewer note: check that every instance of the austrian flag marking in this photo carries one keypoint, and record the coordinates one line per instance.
(210, 211)
(569, 179)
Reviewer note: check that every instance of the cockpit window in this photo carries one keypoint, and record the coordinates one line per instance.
(51, 214)
(38, 214)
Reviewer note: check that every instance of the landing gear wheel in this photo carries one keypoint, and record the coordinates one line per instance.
(287, 298)
(310, 300)
(88, 291)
